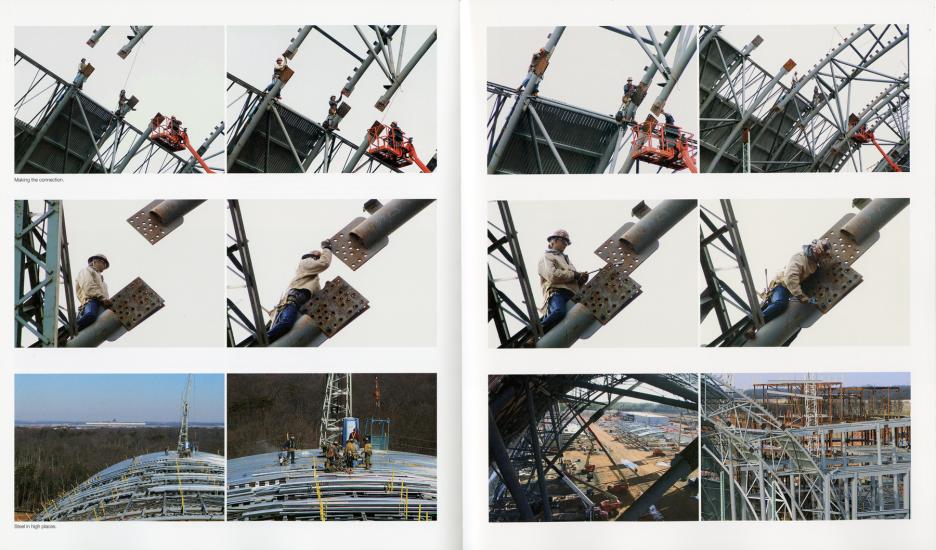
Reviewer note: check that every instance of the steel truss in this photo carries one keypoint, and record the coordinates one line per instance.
(754, 467)
(751, 122)
(336, 407)
(42, 272)
(73, 134)
(241, 266)
(546, 136)
(721, 234)
(528, 421)
(269, 137)
(504, 248)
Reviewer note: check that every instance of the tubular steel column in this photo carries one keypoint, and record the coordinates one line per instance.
(138, 34)
(37, 271)
(348, 88)
(190, 163)
(246, 267)
(385, 99)
(122, 165)
(499, 456)
(533, 81)
(537, 454)
(387, 219)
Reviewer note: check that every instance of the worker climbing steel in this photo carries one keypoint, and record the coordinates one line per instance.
(278, 67)
(629, 91)
(558, 278)
(92, 291)
(303, 285)
(786, 286)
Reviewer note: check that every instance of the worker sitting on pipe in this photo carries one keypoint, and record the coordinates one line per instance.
(92, 291)
(558, 278)
(786, 286)
(303, 285)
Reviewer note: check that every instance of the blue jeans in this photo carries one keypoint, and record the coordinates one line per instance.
(88, 313)
(556, 309)
(289, 314)
(777, 303)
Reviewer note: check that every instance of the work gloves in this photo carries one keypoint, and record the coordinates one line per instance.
(581, 277)
(326, 244)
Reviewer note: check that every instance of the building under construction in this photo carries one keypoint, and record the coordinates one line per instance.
(356, 470)
(63, 128)
(808, 449)
(842, 109)
(586, 448)
(178, 484)
(530, 133)
(308, 127)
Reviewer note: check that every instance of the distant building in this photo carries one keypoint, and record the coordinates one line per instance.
(648, 419)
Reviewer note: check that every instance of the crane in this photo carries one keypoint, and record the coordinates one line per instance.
(184, 448)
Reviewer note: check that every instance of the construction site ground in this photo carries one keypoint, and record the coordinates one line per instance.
(678, 504)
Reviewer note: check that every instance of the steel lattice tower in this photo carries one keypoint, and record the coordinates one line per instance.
(337, 406)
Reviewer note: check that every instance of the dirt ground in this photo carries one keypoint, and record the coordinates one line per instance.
(677, 504)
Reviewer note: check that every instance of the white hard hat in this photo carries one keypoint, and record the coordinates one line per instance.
(559, 234)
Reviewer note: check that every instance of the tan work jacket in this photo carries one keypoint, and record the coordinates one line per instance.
(798, 269)
(307, 272)
(556, 272)
(90, 284)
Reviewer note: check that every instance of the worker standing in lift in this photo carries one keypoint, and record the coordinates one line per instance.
(558, 278)
(396, 136)
(303, 285)
(786, 286)
(670, 131)
(91, 291)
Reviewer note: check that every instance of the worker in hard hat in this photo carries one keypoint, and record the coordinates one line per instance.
(670, 131)
(558, 278)
(537, 67)
(78, 82)
(629, 90)
(786, 286)
(303, 285)
(91, 289)
(332, 114)
(368, 452)
(396, 135)
(278, 67)
(350, 454)
(289, 448)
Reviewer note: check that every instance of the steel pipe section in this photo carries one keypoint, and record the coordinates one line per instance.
(533, 81)
(873, 217)
(657, 222)
(106, 327)
(683, 464)
(387, 219)
(401, 76)
(169, 211)
(304, 334)
(577, 323)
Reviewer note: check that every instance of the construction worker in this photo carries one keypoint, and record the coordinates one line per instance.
(558, 278)
(368, 451)
(396, 135)
(332, 113)
(786, 286)
(80, 77)
(537, 67)
(860, 133)
(289, 448)
(92, 291)
(350, 454)
(330, 457)
(670, 131)
(629, 91)
(278, 66)
(303, 285)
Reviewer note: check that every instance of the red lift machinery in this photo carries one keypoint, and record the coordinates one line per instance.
(170, 134)
(664, 145)
(864, 135)
(391, 146)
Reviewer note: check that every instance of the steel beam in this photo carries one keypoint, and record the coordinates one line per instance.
(683, 464)
(533, 81)
(401, 76)
(138, 34)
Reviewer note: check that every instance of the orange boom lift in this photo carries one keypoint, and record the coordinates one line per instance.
(169, 133)
(391, 146)
(664, 145)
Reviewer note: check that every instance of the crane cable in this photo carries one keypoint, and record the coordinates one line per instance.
(136, 54)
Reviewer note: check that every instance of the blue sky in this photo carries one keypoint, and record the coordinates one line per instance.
(746, 380)
(124, 397)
